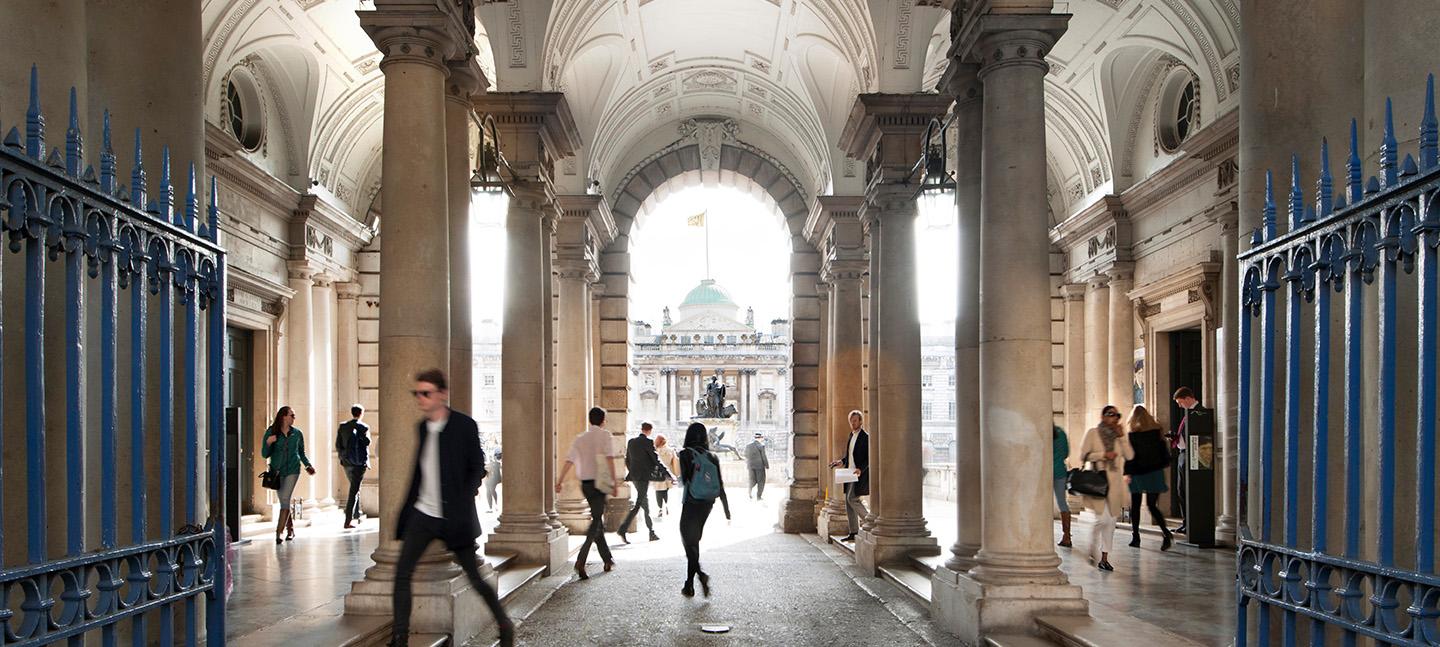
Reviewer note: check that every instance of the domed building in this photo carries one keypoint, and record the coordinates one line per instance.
(709, 338)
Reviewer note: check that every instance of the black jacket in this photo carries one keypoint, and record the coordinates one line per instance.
(1151, 452)
(641, 461)
(462, 468)
(352, 443)
(862, 461)
(1196, 422)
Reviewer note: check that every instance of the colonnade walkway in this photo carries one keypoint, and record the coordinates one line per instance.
(768, 587)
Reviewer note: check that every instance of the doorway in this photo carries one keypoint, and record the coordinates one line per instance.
(1186, 368)
(239, 403)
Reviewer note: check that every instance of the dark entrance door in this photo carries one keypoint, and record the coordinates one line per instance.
(1194, 481)
(238, 403)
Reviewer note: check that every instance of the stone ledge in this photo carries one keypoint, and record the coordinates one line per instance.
(1102, 625)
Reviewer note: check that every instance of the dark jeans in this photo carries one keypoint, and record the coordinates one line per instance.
(757, 481)
(419, 532)
(352, 503)
(642, 502)
(1152, 501)
(596, 533)
(490, 496)
(662, 499)
(693, 515)
(1178, 484)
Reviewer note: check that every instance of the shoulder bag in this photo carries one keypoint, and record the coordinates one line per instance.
(1089, 482)
(270, 479)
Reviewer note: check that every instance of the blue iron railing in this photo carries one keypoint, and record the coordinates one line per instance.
(104, 240)
(1383, 231)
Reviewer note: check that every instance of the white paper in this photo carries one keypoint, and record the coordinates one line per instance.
(846, 475)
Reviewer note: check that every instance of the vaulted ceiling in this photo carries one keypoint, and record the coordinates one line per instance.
(786, 71)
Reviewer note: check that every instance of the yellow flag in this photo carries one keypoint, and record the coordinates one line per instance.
(697, 220)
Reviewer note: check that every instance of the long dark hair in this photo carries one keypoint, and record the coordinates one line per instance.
(279, 417)
(697, 437)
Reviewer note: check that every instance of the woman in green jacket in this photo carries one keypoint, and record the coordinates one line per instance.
(284, 445)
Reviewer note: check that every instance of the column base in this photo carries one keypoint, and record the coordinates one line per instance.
(548, 547)
(972, 610)
(832, 522)
(797, 515)
(872, 550)
(443, 601)
(1225, 530)
(615, 510)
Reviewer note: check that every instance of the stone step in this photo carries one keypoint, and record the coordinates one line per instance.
(909, 579)
(515, 577)
(1016, 640)
(1103, 626)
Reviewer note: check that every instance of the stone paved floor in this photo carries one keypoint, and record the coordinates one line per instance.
(770, 588)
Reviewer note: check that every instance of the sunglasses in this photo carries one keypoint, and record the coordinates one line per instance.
(422, 393)
(1111, 414)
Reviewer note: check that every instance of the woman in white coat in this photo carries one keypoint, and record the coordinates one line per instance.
(1107, 447)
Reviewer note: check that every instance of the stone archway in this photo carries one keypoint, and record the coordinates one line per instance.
(711, 147)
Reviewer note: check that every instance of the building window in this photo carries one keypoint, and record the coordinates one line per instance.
(767, 409)
(952, 379)
(952, 411)
(1178, 113)
(925, 381)
(927, 411)
(489, 380)
(243, 112)
(490, 409)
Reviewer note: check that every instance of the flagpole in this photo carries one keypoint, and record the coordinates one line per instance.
(706, 218)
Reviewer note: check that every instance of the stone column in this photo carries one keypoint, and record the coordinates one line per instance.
(1097, 354)
(576, 269)
(695, 377)
(872, 365)
(300, 361)
(320, 441)
(846, 391)
(415, 300)
(347, 363)
(797, 510)
(1121, 340)
(965, 86)
(462, 83)
(1077, 411)
(825, 481)
(535, 129)
(1016, 576)
(889, 130)
(1227, 400)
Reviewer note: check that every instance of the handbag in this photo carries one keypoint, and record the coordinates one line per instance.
(1088, 482)
(658, 473)
(270, 480)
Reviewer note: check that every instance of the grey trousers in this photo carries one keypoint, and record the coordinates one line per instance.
(854, 509)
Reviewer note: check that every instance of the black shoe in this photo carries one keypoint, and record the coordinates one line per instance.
(688, 590)
(1105, 566)
(1135, 540)
(580, 571)
(609, 566)
(399, 641)
(705, 585)
(1166, 542)
(507, 635)
(1180, 530)
(849, 537)
(654, 537)
(622, 536)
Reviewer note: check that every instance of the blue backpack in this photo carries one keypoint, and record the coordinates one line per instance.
(704, 482)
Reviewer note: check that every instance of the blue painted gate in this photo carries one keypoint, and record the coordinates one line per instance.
(156, 277)
(1338, 358)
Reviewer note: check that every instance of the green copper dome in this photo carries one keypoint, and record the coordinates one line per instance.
(708, 293)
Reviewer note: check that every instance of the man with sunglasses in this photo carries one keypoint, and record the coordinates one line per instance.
(449, 467)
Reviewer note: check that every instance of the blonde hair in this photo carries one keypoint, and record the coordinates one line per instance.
(1141, 420)
(660, 440)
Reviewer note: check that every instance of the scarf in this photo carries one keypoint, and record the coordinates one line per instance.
(1108, 435)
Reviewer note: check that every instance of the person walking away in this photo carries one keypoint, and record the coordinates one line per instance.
(1146, 472)
(352, 445)
(440, 503)
(492, 480)
(758, 462)
(1060, 446)
(667, 459)
(857, 457)
(585, 456)
(1105, 445)
(284, 445)
(700, 474)
(641, 464)
(1197, 421)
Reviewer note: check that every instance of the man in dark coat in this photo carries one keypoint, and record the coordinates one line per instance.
(352, 446)
(757, 462)
(641, 462)
(1197, 422)
(857, 457)
(440, 504)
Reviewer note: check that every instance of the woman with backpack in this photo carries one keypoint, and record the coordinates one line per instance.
(700, 474)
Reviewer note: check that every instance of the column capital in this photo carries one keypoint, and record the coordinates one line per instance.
(995, 41)
(424, 37)
(535, 129)
(465, 80)
(962, 82)
(1121, 272)
(323, 280)
(347, 290)
(887, 130)
(1098, 282)
(835, 271)
(1073, 291)
(300, 270)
